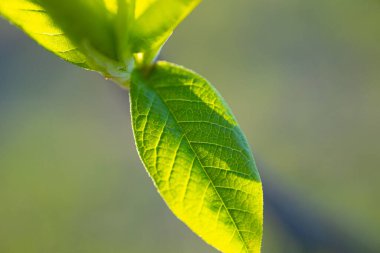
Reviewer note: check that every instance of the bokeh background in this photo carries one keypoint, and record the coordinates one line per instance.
(303, 79)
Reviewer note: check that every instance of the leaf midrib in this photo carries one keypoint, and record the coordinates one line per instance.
(208, 176)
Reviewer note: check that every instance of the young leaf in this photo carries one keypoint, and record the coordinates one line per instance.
(82, 32)
(36, 22)
(155, 21)
(197, 156)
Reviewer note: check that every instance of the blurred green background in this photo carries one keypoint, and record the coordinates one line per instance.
(303, 79)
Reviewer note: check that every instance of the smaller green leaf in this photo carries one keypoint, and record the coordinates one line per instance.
(34, 20)
(155, 20)
(79, 31)
(197, 156)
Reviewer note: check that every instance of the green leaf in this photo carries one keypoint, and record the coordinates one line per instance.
(155, 21)
(197, 156)
(35, 21)
(84, 32)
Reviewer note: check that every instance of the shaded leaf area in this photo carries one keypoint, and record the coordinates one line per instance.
(198, 157)
(102, 35)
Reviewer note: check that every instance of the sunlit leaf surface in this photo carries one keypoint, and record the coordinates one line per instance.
(79, 31)
(35, 21)
(198, 157)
